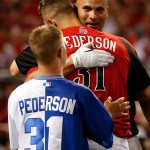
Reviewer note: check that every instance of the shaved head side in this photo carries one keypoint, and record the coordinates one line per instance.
(54, 8)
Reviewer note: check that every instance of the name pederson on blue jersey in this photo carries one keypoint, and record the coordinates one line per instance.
(52, 113)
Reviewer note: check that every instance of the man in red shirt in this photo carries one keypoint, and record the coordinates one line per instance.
(94, 14)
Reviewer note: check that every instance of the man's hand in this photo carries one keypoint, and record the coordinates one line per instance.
(86, 57)
(117, 108)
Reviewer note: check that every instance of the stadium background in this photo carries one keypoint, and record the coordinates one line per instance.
(127, 18)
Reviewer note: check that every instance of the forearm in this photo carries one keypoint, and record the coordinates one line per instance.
(145, 106)
(144, 101)
(14, 70)
(69, 67)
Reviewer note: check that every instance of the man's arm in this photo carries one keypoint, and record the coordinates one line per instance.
(23, 62)
(144, 101)
(14, 70)
(83, 57)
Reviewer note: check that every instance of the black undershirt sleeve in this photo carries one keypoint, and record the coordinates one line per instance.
(138, 78)
(25, 60)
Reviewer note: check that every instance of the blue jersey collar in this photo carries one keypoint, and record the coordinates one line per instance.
(52, 77)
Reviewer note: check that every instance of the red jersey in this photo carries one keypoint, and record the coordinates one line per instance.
(103, 81)
(125, 77)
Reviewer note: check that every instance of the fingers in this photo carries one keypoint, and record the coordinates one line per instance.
(101, 52)
(107, 59)
(104, 60)
(125, 106)
(109, 99)
(124, 114)
(120, 100)
(102, 64)
(103, 56)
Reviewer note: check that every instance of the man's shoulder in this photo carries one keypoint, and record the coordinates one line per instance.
(23, 86)
(76, 86)
(85, 30)
(109, 35)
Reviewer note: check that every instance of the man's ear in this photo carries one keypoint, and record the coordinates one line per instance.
(75, 5)
(60, 53)
(52, 22)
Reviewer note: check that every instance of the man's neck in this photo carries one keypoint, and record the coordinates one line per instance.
(49, 70)
(68, 21)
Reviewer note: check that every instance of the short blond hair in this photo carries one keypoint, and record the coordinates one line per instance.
(45, 41)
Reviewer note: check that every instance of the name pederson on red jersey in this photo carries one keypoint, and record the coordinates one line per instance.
(103, 81)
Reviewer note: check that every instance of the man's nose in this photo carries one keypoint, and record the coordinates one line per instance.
(93, 15)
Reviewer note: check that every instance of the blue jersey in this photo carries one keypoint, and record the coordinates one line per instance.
(52, 113)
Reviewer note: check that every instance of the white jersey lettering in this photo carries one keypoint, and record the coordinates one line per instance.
(31, 105)
(103, 43)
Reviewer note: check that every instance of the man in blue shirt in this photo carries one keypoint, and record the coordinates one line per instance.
(51, 112)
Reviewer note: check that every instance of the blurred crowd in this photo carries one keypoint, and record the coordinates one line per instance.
(131, 19)
(17, 19)
(127, 18)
